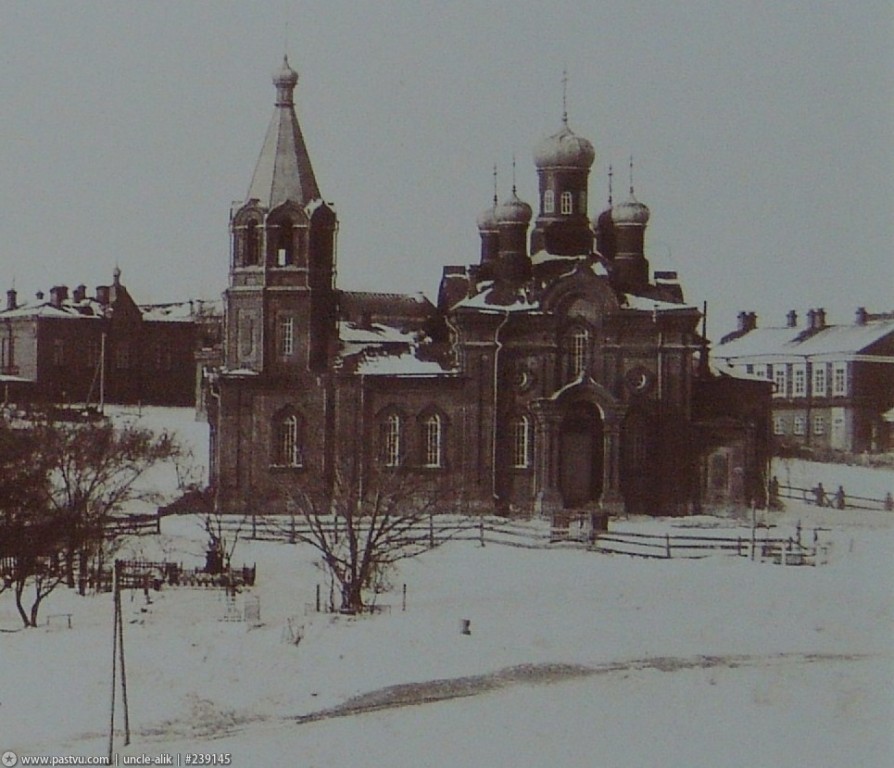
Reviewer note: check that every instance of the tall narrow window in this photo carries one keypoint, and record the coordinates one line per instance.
(284, 245)
(579, 342)
(819, 425)
(122, 355)
(780, 379)
(798, 428)
(549, 201)
(521, 443)
(288, 442)
(431, 434)
(839, 379)
(778, 425)
(58, 352)
(819, 379)
(390, 434)
(250, 245)
(583, 201)
(567, 202)
(286, 336)
(799, 388)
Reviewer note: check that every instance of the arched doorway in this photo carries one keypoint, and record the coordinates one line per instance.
(580, 455)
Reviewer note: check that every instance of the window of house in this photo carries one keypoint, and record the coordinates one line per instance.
(780, 379)
(567, 202)
(521, 443)
(819, 425)
(819, 380)
(583, 201)
(798, 426)
(284, 250)
(578, 347)
(390, 437)
(749, 368)
(58, 352)
(549, 201)
(286, 336)
(839, 379)
(799, 387)
(760, 370)
(432, 442)
(288, 442)
(779, 425)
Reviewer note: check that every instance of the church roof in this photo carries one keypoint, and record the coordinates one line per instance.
(283, 172)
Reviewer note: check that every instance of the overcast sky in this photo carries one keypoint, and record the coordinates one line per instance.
(761, 133)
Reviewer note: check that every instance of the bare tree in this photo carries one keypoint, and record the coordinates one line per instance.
(362, 532)
(60, 484)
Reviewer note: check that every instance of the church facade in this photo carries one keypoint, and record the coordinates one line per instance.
(555, 375)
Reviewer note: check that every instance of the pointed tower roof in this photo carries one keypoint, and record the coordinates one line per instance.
(283, 172)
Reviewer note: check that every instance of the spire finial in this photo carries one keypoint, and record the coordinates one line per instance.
(513, 173)
(610, 174)
(495, 185)
(631, 174)
(565, 96)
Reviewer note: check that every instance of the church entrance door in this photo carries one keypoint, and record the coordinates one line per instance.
(581, 455)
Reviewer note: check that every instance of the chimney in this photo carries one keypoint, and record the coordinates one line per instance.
(11, 298)
(102, 294)
(39, 295)
(58, 294)
(791, 319)
(752, 321)
(820, 319)
(862, 316)
(811, 319)
(80, 293)
(747, 321)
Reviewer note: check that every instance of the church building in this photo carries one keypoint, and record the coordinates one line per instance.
(556, 375)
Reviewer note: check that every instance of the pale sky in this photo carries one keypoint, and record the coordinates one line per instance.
(761, 133)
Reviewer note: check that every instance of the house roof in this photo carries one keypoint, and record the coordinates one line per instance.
(831, 340)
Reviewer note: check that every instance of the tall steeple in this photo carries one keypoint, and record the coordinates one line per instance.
(283, 172)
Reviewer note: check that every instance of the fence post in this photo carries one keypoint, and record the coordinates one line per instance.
(403, 605)
(431, 531)
(318, 598)
(668, 545)
(481, 530)
(254, 526)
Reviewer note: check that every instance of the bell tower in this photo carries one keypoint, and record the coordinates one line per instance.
(280, 300)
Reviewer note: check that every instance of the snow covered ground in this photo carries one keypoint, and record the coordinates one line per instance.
(574, 658)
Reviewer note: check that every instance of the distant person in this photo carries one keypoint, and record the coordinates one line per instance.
(820, 493)
(839, 497)
(774, 492)
(889, 502)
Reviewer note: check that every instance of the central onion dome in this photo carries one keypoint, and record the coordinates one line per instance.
(513, 211)
(631, 211)
(564, 149)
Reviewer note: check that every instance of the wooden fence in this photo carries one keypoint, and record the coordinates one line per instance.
(829, 498)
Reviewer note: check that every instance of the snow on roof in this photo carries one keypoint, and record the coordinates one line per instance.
(734, 373)
(545, 257)
(351, 333)
(484, 302)
(181, 311)
(404, 364)
(644, 304)
(87, 309)
(831, 340)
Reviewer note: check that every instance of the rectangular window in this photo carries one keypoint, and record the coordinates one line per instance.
(549, 201)
(779, 425)
(91, 356)
(286, 336)
(839, 379)
(432, 438)
(390, 438)
(798, 428)
(58, 352)
(780, 379)
(819, 380)
(122, 355)
(521, 443)
(567, 202)
(799, 388)
(819, 425)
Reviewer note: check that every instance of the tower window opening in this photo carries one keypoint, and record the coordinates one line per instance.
(567, 203)
(288, 443)
(250, 244)
(390, 433)
(521, 443)
(578, 344)
(549, 201)
(286, 336)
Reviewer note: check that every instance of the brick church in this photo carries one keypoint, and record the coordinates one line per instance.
(555, 375)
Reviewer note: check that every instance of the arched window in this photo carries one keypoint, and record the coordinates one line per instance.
(582, 205)
(432, 441)
(288, 446)
(567, 202)
(578, 348)
(285, 255)
(389, 432)
(250, 244)
(549, 201)
(521, 442)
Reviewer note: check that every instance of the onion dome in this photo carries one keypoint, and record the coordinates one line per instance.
(487, 219)
(564, 149)
(513, 211)
(285, 79)
(631, 211)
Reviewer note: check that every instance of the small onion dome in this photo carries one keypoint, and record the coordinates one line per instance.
(285, 75)
(631, 211)
(487, 219)
(513, 211)
(564, 149)
(603, 220)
